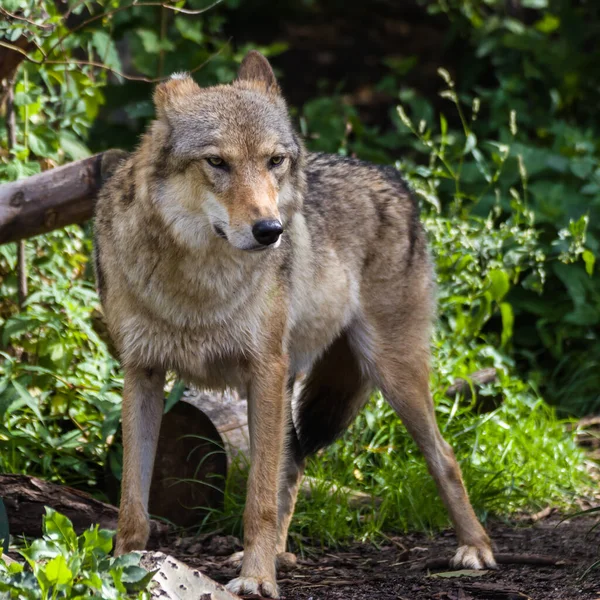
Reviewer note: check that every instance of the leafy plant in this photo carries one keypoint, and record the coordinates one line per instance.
(534, 60)
(63, 565)
(59, 387)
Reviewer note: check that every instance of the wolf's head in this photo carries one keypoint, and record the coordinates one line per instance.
(226, 161)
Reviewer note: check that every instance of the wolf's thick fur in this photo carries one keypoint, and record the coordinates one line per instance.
(344, 299)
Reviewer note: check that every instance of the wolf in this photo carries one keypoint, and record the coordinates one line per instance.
(226, 252)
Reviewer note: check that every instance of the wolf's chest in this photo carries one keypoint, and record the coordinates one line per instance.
(211, 357)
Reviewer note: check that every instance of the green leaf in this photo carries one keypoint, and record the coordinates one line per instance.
(443, 126)
(132, 559)
(72, 146)
(548, 23)
(583, 167)
(584, 315)
(137, 579)
(39, 146)
(16, 325)
(57, 351)
(508, 320)
(29, 400)
(575, 280)
(23, 99)
(57, 572)
(151, 43)
(58, 527)
(499, 284)
(41, 549)
(175, 395)
(99, 540)
(470, 143)
(589, 259)
(106, 49)
(189, 30)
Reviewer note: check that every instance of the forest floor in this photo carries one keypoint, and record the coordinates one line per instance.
(398, 569)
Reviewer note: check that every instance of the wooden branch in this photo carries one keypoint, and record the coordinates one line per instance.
(11, 142)
(10, 59)
(54, 198)
(25, 498)
(538, 560)
(479, 378)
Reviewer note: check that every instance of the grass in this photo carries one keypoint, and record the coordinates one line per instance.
(517, 458)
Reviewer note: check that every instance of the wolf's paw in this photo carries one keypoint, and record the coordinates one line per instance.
(285, 561)
(474, 557)
(253, 585)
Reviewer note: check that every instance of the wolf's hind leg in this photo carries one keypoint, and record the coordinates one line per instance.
(292, 471)
(403, 374)
(328, 399)
(143, 401)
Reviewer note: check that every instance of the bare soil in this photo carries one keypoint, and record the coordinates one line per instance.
(396, 569)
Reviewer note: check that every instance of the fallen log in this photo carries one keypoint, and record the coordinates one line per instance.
(25, 498)
(190, 468)
(55, 198)
(174, 580)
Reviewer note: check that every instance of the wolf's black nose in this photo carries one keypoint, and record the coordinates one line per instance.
(267, 231)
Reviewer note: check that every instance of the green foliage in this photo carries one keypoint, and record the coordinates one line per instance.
(59, 387)
(64, 565)
(55, 103)
(541, 60)
(522, 131)
(57, 403)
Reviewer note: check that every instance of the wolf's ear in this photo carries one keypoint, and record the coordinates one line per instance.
(256, 68)
(173, 92)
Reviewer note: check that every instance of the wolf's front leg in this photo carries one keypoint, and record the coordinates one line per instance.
(267, 407)
(143, 402)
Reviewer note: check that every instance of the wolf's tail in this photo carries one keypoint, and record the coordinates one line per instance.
(330, 397)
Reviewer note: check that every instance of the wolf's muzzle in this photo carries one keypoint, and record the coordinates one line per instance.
(267, 231)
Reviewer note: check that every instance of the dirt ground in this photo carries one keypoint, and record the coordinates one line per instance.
(397, 569)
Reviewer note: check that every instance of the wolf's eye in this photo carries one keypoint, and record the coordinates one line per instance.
(215, 161)
(275, 161)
